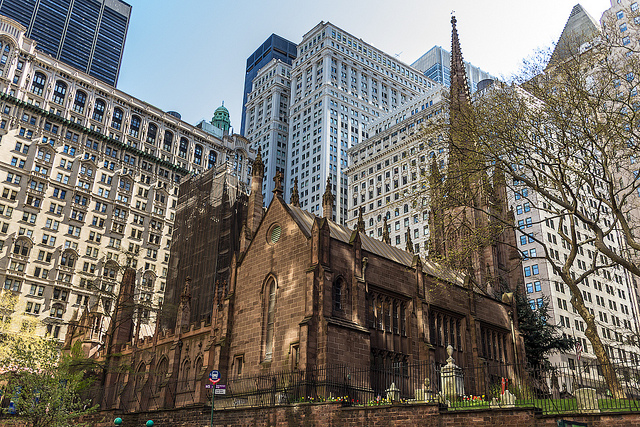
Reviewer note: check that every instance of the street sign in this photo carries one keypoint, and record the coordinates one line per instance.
(209, 385)
(221, 389)
(214, 376)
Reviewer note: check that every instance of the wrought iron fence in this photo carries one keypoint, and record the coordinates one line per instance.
(137, 396)
(554, 389)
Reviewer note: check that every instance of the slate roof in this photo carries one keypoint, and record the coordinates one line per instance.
(305, 220)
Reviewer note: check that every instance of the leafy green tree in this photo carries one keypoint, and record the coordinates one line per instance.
(43, 386)
(541, 338)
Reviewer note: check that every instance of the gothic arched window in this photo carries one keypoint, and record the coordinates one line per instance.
(337, 296)
(269, 319)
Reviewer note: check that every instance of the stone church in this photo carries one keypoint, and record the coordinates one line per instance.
(303, 291)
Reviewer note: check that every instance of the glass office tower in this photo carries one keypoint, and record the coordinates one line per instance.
(86, 34)
(275, 47)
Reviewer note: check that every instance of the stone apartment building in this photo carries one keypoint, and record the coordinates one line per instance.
(89, 173)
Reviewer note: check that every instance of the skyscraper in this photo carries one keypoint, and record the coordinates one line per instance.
(267, 111)
(435, 65)
(275, 47)
(87, 34)
(339, 85)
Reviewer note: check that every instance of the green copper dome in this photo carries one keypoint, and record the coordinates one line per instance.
(221, 118)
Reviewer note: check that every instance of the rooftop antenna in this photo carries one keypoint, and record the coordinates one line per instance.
(398, 54)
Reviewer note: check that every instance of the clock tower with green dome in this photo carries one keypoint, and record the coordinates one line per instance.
(221, 118)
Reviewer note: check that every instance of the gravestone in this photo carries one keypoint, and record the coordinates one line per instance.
(587, 400)
(508, 399)
(393, 393)
(451, 378)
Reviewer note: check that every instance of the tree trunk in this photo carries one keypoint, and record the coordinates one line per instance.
(591, 332)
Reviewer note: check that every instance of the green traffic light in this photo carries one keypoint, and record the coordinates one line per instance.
(150, 423)
(117, 421)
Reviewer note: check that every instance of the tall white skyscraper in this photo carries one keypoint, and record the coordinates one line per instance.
(267, 113)
(339, 85)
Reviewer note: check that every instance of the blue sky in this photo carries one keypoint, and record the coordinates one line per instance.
(190, 55)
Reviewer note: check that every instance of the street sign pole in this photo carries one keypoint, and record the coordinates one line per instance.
(213, 399)
(214, 377)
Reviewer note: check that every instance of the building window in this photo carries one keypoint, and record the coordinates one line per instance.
(197, 155)
(57, 310)
(184, 147)
(5, 54)
(116, 120)
(151, 133)
(269, 320)
(238, 365)
(78, 103)
(67, 259)
(134, 126)
(98, 110)
(59, 92)
(21, 247)
(161, 373)
(39, 81)
(168, 141)
(337, 296)
(213, 156)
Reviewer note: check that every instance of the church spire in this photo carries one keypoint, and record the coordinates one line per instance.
(327, 200)
(295, 196)
(460, 94)
(360, 224)
(461, 151)
(385, 233)
(409, 241)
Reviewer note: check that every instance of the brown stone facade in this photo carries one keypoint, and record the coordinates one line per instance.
(342, 297)
(308, 292)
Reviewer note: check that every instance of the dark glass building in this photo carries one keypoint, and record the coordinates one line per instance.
(274, 47)
(86, 34)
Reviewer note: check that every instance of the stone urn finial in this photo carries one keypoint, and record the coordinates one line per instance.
(450, 353)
